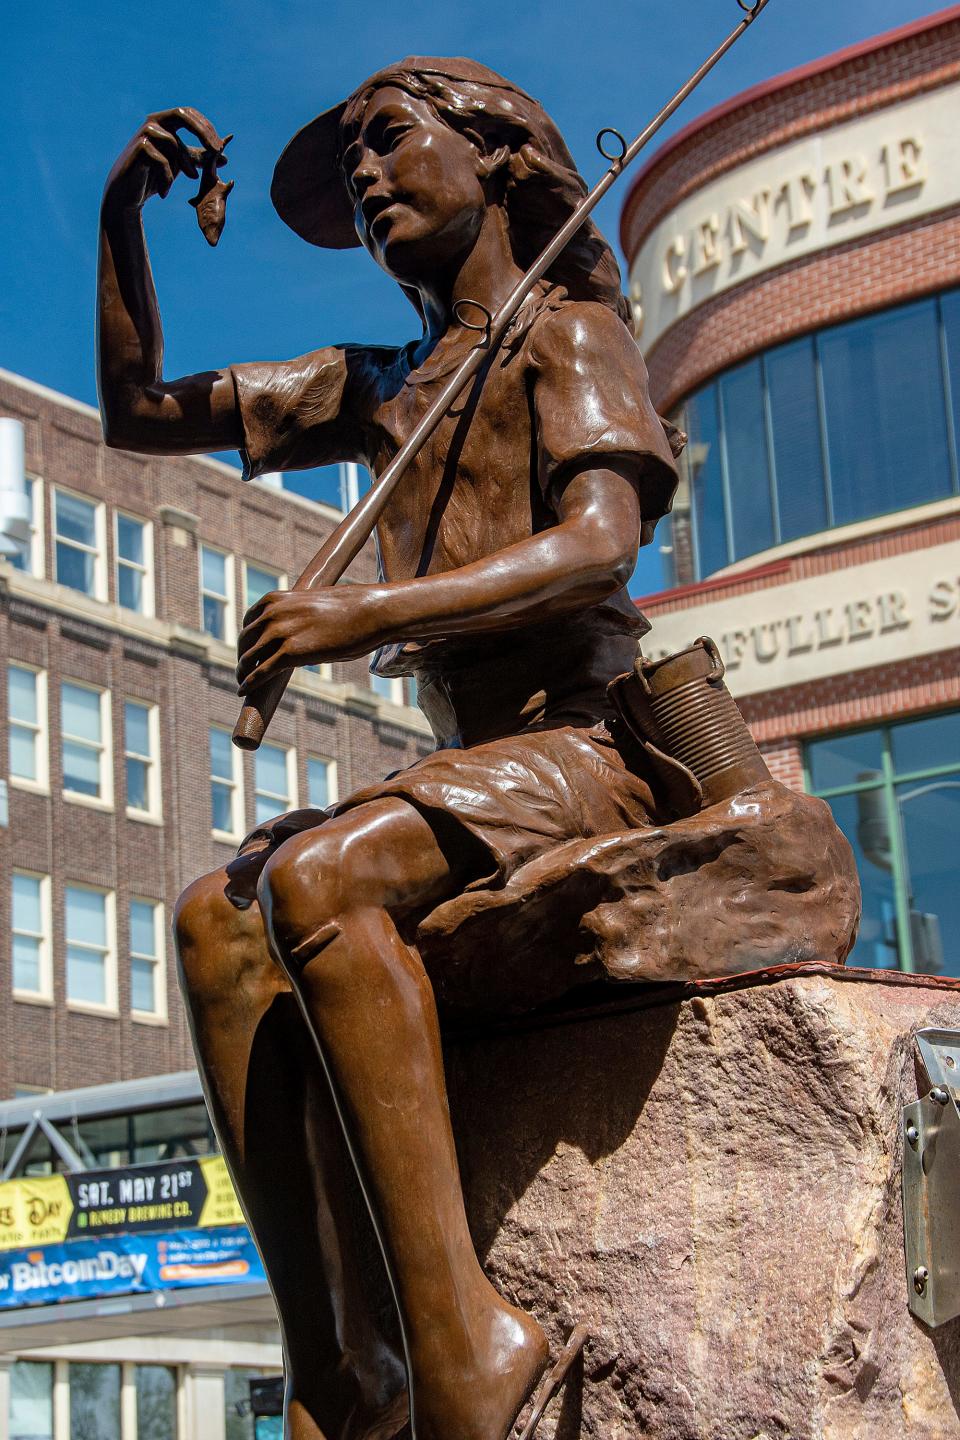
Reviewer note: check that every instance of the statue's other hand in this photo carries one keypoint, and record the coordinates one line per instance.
(154, 157)
(287, 628)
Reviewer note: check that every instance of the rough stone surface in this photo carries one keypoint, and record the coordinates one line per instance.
(717, 1184)
(764, 878)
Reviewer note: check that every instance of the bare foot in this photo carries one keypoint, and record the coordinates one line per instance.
(479, 1396)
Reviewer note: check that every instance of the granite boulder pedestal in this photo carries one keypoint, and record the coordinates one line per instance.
(711, 1176)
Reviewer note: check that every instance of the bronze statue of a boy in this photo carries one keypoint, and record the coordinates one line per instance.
(505, 557)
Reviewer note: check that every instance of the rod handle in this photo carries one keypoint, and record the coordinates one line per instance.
(258, 710)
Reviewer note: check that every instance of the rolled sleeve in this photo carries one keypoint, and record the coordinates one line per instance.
(296, 413)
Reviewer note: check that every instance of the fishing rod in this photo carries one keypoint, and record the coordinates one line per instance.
(355, 529)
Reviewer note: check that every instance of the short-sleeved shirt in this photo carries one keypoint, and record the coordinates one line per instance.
(565, 390)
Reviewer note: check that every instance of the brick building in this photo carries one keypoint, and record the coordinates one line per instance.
(794, 268)
(118, 621)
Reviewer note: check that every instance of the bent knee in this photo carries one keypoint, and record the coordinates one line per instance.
(201, 911)
(299, 887)
(218, 933)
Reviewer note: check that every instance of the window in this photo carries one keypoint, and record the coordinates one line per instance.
(147, 994)
(94, 1401)
(389, 686)
(895, 793)
(842, 425)
(91, 957)
(321, 781)
(216, 594)
(85, 722)
(156, 1391)
(27, 719)
(31, 1400)
(30, 927)
(258, 582)
(141, 744)
(29, 558)
(226, 807)
(134, 550)
(274, 783)
(79, 543)
(236, 1394)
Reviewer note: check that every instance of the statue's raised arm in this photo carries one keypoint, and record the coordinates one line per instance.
(141, 410)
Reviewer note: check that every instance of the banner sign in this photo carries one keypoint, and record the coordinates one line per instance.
(128, 1264)
(178, 1194)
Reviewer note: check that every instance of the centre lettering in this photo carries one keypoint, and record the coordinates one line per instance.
(852, 184)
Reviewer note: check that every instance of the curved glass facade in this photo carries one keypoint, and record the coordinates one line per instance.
(844, 424)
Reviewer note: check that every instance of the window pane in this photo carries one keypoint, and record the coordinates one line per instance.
(76, 519)
(81, 712)
(142, 987)
(318, 783)
(26, 964)
(143, 935)
(214, 571)
(748, 470)
(136, 721)
(927, 744)
(75, 568)
(31, 1400)
(23, 754)
(706, 481)
(156, 1387)
(169, 1134)
(221, 754)
(794, 410)
(86, 976)
(237, 1389)
(138, 796)
(221, 817)
(271, 769)
(865, 820)
(27, 905)
(886, 427)
(86, 916)
(22, 694)
(382, 684)
(260, 582)
(950, 311)
(130, 540)
(81, 769)
(845, 759)
(130, 588)
(215, 618)
(23, 559)
(265, 808)
(107, 1138)
(94, 1402)
(930, 817)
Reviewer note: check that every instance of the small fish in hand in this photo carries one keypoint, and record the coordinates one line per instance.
(210, 201)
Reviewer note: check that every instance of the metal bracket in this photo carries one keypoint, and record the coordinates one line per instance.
(931, 1183)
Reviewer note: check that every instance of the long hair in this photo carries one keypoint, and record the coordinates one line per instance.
(541, 186)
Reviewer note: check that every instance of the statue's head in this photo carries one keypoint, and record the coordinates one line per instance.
(409, 163)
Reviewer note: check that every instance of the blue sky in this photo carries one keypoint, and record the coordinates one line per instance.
(78, 78)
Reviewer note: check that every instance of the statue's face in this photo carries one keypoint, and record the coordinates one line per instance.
(415, 184)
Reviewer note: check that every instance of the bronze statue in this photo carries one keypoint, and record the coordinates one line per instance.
(505, 557)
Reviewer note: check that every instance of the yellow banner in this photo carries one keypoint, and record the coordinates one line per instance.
(221, 1206)
(34, 1212)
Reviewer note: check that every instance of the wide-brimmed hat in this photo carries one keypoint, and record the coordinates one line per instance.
(308, 190)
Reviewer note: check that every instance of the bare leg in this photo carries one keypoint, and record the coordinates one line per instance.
(332, 900)
(273, 1112)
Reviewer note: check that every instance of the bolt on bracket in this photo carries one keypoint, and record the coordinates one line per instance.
(931, 1183)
